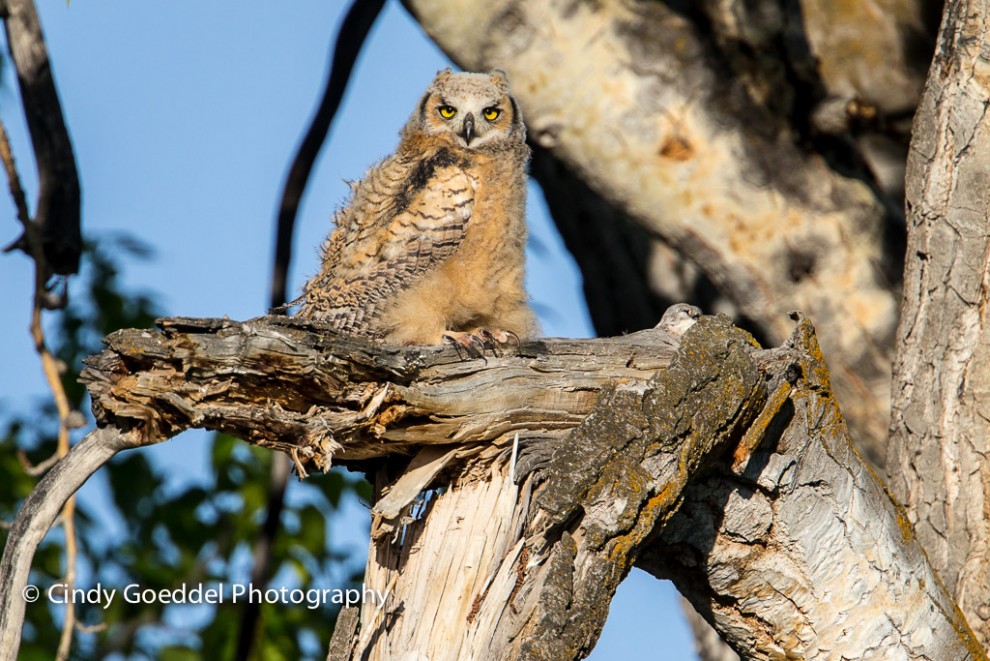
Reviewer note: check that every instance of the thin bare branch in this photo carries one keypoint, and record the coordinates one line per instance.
(57, 213)
(13, 178)
(35, 246)
(40, 468)
(37, 514)
(353, 32)
(351, 37)
(91, 628)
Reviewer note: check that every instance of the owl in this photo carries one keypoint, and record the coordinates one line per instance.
(431, 246)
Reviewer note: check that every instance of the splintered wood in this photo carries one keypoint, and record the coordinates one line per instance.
(463, 568)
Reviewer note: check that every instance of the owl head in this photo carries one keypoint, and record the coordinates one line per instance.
(475, 110)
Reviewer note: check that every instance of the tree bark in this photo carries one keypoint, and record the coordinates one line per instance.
(643, 104)
(939, 461)
(707, 642)
(800, 535)
(702, 457)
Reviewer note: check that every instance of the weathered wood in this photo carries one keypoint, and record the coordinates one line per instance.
(798, 534)
(526, 569)
(274, 382)
(705, 453)
(939, 458)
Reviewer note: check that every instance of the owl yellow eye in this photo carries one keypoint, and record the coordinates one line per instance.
(491, 114)
(447, 112)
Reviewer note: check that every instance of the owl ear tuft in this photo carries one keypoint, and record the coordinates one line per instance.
(499, 75)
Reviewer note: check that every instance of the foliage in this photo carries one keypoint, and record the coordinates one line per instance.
(163, 538)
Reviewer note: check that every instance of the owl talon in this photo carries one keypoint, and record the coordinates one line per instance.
(473, 345)
(499, 337)
(489, 340)
(506, 335)
(475, 342)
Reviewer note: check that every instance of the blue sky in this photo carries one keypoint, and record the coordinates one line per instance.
(184, 115)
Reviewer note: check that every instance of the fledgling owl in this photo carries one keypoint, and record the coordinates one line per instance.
(431, 246)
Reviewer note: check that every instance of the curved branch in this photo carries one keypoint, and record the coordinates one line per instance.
(58, 211)
(37, 515)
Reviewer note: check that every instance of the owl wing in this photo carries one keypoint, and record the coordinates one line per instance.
(380, 248)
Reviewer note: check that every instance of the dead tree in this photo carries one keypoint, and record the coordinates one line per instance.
(514, 492)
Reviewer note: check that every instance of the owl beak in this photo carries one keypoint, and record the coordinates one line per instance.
(467, 130)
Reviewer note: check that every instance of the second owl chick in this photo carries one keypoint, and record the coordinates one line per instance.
(432, 244)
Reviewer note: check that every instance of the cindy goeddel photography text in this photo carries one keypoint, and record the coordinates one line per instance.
(218, 593)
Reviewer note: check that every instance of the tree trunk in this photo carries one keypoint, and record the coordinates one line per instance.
(939, 462)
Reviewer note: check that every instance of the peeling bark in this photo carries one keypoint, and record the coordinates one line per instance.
(532, 577)
(328, 398)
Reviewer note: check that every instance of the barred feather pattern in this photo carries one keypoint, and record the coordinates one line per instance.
(432, 242)
(405, 218)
